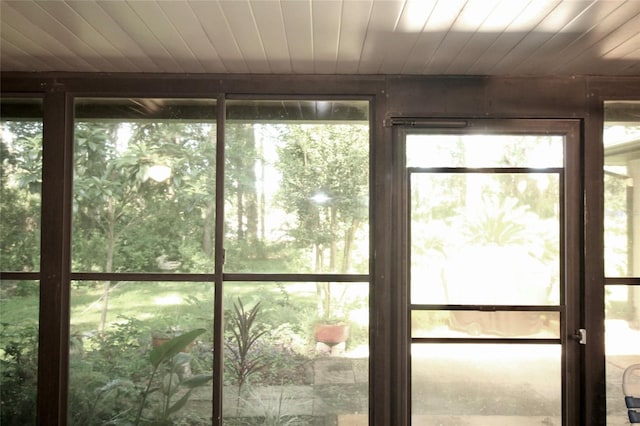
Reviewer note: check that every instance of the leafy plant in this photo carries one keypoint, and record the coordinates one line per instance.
(274, 409)
(18, 366)
(170, 356)
(501, 222)
(243, 360)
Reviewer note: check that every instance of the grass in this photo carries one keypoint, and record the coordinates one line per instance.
(168, 305)
(19, 308)
(162, 305)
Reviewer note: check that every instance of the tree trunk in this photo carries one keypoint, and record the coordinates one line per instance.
(111, 243)
(349, 236)
(207, 229)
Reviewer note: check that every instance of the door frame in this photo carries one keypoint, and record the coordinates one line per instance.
(571, 249)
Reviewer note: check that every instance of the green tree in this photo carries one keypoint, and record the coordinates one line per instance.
(131, 221)
(20, 186)
(325, 184)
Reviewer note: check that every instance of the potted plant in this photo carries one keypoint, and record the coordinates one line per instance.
(331, 329)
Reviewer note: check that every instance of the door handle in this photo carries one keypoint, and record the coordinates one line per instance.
(580, 336)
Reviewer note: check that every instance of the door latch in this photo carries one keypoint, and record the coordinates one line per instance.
(581, 336)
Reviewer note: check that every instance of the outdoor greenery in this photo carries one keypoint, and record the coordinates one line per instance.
(126, 218)
(295, 200)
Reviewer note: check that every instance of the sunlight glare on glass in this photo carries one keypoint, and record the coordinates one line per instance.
(159, 172)
(170, 299)
(123, 136)
(320, 198)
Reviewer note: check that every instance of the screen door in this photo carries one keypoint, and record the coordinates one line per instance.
(492, 271)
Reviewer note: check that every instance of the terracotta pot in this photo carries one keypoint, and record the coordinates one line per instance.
(158, 341)
(331, 334)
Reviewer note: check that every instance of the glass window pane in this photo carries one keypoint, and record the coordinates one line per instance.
(297, 186)
(144, 185)
(621, 188)
(622, 347)
(299, 367)
(486, 384)
(21, 181)
(466, 324)
(485, 238)
(116, 371)
(19, 302)
(537, 151)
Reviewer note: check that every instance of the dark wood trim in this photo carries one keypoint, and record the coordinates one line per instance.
(594, 358)
(599, 90)
(53, 350)
(486, 340)
(219, 256)
(20, 276)
(140, 276)
(487, 308)
(532, 97)
(400, 320)
(622, 280)
(571, 273)
(339, 278)
(570, 244)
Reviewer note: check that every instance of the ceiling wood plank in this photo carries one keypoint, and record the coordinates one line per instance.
(162, 35)
(379, 38)
(33, 20)
(326, 21)
(615, 21)
(217, 29)
(487, 34)
(406, 33)
(240, 17)
(434, 32)
(559, 17)
(633, 61)
(19, 58)
(84, 33)
(607, 46)
(134, 27)
(186, 23)
(527, 20)
(353, 30)
(123, 40)
(297, 23)
(450, 37)
(552, 51)
(466, 24)
(29, 51)
(270, 25)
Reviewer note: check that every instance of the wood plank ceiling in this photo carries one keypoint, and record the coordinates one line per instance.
(463, 37)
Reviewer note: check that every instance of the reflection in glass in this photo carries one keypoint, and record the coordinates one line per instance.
(486, 384)
(144, 185)
(534, 151)
(111, 353)
(461, 323)
(19, 303)
(20, 184)
(622, 345)
(301, 364)
(485, 238)
(297, 186)
(621, 185)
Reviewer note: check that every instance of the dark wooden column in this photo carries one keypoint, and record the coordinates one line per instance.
(55, 259)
